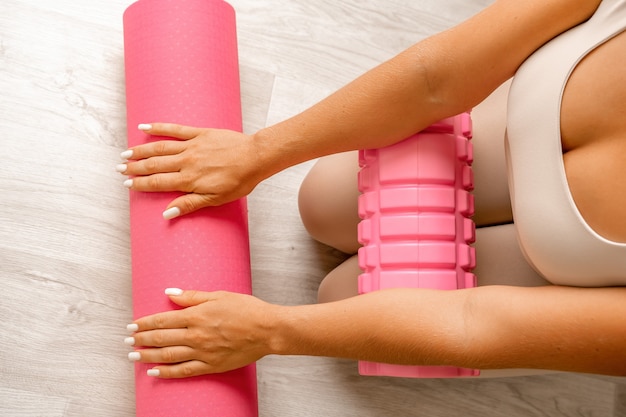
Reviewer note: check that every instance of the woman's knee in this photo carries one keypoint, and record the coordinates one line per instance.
(328, 201)
(341, 282)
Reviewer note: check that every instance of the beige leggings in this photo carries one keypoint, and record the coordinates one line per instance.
(328, 207)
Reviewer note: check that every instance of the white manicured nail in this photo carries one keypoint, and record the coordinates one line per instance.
(153, 372)
(144, 126)
(128, 183)
(170, 213)
(121, 168)
(130, 341)
(126, 154)
(173, 291)
(132, 327)
(134, 356)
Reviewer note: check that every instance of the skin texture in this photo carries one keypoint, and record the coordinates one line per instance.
(559, 328)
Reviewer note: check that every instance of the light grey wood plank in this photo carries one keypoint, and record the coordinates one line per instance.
(257, 87)
(620, 399)
(290, 97)
(18, 403)
(62, 331)
(329, 42)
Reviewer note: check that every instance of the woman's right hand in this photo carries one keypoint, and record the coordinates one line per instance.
(211, 166)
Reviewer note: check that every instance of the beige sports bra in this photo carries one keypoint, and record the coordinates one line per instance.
(553, 235)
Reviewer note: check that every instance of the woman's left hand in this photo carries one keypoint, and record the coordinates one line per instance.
(215, 332)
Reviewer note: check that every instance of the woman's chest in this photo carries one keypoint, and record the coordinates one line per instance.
(593, 107)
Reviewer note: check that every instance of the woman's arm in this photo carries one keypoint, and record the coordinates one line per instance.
(439, 77)
(493, 327)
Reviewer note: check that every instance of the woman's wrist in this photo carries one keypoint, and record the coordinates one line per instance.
(278, 150)
(292, 331)
(279, 335)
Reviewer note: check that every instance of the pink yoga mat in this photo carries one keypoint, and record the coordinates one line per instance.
(182, 67)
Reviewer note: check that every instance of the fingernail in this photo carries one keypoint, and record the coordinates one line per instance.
(121, 168)
(128, 183)
(170, 213)
(144, 126)
(153, 372)
(126, 154)
(130, 341)
(132, 327)
(173, 291)
(134, 356)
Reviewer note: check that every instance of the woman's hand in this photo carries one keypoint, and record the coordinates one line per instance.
(215, 332)
(212, 166)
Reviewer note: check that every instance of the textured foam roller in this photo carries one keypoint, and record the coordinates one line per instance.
(416, 228)
(181, 66)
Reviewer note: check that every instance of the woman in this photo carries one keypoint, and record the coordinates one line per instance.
(565, 144)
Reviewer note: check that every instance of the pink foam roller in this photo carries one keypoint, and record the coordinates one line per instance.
(182, 66)
(416, 229)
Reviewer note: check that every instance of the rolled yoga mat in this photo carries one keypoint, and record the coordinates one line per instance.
(182, 67)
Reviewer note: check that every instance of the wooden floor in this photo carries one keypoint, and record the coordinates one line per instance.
(64, 228)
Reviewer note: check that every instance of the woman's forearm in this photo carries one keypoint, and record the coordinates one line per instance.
(394, 326)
